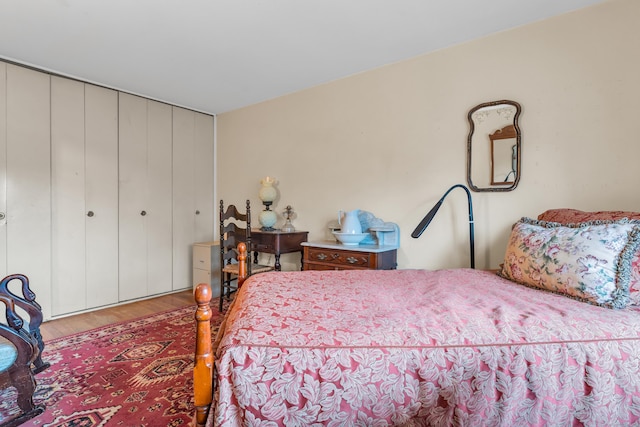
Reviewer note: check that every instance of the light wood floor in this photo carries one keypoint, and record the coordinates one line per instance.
(95, 319)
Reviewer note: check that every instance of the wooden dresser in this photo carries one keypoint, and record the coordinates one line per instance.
(334, 256)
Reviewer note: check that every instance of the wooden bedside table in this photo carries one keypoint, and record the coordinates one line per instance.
(334, 256)
(276, 242)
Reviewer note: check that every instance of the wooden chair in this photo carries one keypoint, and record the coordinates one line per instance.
(20, 347)
(235, 228)
(26, 300)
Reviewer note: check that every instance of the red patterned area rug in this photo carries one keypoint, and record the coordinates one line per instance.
(136, 373)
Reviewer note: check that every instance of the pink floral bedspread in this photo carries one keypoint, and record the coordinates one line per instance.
(413, 348)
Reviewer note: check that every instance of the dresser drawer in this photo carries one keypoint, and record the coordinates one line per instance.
(323, 267)
(262, 247)
(321, 257)
(202, 256)
(340, 257)
(206, 265)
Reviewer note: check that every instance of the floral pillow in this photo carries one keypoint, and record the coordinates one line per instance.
(590, 262)
(567, 216)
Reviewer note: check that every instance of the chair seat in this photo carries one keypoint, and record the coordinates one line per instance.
(255, 268)
(8, 354)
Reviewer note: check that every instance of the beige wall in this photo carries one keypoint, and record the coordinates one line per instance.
(392, 140)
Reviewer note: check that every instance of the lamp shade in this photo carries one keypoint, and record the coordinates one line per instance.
(267, 192)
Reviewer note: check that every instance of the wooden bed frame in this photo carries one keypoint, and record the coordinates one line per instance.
(557, 338)
(203, 362)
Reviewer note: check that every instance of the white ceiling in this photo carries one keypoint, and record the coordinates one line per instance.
(219, 55)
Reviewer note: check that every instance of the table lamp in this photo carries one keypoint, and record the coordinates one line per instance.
(267, 194)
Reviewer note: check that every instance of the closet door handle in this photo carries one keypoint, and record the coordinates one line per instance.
(90, 213)
(143, 213)
(2, 215)
(197, 212)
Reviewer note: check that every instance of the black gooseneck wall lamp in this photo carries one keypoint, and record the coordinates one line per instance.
(429, 216)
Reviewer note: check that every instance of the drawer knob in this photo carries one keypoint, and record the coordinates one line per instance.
(90, 214)
(143, 213)
(352, 260)
(321, 256)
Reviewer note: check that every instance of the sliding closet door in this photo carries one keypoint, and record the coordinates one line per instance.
(203, 184)
(28, 189)
(101, 195)
(132, 184)
(68, 279)
(160, 236)
(183, 195)
(192, 189)
(84, 196)
(145, 197)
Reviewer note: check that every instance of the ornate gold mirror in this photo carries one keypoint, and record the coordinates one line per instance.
(493, 146)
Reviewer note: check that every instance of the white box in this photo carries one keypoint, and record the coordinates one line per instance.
(206, 265)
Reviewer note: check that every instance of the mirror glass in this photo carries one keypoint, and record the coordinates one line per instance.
(494, 146)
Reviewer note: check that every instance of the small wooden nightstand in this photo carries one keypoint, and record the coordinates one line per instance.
(333, 256)
(277, 242)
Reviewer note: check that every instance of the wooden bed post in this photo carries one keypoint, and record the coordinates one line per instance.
(203, 363)
(242, 263)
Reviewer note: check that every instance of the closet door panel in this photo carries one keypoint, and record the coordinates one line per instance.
(101, 195)
(29, 185)
(3, 169)
(203, 180)
(159, 224)
(192, 188)
(133, 197)
(145, 197)
(68, 280)
(183, 195)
